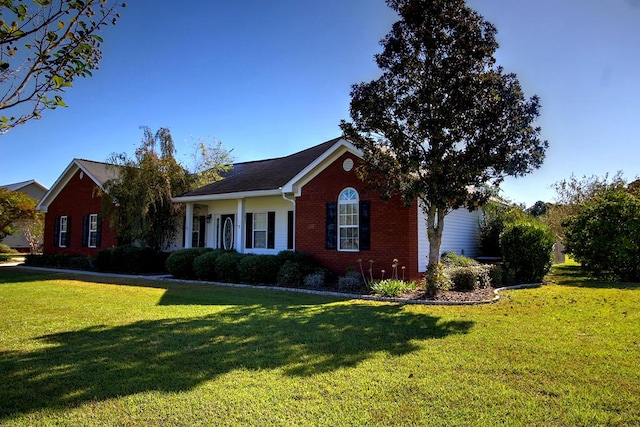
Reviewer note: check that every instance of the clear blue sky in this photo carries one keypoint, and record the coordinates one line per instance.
(272, 78)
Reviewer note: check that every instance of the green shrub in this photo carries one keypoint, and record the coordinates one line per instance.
(496, 275)
(48, 260)
(351, 282)
(441, 281)
(6, 249)
(180, 263)
(463, 278)
(227, 267)
(391, 287)
(526, 250)
(603, 236)
(291, 274)
(303, 259)
(204, 266)
(315, 280)
(259, 269)
(130, 260)
(5, 257)
(81, 263)
(451, 259)
(102, 261)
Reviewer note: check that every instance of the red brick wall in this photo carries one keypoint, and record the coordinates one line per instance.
(77, 198)
(393, 227)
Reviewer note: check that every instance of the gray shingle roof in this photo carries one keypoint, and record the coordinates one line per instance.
(270, 174)
(100, 171)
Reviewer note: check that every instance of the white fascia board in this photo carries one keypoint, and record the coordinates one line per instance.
(226, 196)
(314, 168)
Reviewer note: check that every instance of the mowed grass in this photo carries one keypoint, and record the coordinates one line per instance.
(77, 352)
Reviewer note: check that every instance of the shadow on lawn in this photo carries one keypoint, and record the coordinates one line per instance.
(173, 355)
(573, 275)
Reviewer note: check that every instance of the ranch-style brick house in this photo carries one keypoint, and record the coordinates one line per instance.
(73, 223)
(312, 201)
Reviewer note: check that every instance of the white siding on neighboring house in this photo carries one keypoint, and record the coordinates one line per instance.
(461, 235)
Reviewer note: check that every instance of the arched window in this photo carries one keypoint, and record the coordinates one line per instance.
(348, 220)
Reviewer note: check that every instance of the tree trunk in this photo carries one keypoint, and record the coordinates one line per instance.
(435, 225)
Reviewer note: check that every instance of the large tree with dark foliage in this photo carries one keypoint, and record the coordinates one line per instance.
(443, 122)
(44, 46)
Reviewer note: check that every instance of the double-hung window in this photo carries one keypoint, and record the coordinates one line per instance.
(260, 230)
(93, 231)
(63, 232)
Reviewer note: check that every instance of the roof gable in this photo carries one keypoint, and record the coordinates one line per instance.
(275, 176)
(98, 172)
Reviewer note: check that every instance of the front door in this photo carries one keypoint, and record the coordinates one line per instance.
(226, 232)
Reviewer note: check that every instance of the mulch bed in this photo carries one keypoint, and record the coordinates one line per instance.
(477, 295)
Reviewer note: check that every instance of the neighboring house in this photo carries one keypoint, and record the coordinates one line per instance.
(73, 223)
(312, 201)
(33, 189)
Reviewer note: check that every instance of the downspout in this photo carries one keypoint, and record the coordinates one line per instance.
(293, 202)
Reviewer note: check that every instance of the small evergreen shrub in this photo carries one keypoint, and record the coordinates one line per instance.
(102, 261)
(315, 280)
(441, 281)
(350, 282)
(291, 274)
(81, 263)
(130, 260)
(463, 278)
(303, 259)
(259, 269)
(496, 275)
(451, 259)
(6, 249)
(48, 260)
(227, 267)
(527, 250)
(180, 262)
(5, 257)
(204, 266)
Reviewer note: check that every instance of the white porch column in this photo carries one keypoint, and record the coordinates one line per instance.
(188, 225)
(240, 217)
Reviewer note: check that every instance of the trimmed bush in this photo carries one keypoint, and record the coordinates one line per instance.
(305, 261)
(130, 260)
(291, 274)
(526, 250)
(315, 280)
(204, 266)
(451, 259)
(81, 263)
(350, 282)
(463, 278)
(48, 260)
(227, 267)
(180, 262)
(259, 269)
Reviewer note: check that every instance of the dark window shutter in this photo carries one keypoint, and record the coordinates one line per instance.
(99, 232)
(56, 232)
(271, 230)
(248, 238)
(331, 233)
(85, 229)
(365, 225)
(67, 242)
(202, 232)
(290, 230)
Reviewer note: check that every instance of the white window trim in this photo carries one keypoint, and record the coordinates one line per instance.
(93, 230)
(62, 232)
(356, 224)
(264, 231)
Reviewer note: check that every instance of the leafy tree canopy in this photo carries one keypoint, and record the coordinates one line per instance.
(443, 120)
(44, 46)
(138, 202)
(15, 207)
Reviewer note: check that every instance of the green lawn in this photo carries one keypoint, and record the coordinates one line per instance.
(77, 352)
